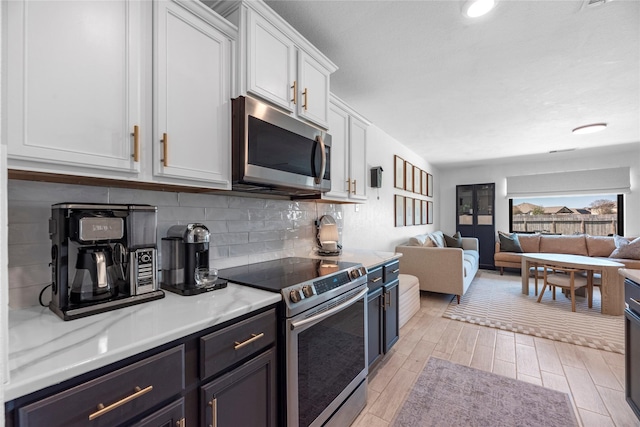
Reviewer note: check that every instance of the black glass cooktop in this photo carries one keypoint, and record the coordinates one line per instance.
(281, 273)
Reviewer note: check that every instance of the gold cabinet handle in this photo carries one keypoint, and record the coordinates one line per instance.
(104, 409)
(348, 186)
(165, 149)
(181, 423)
(354, 186)
(377, 279)
(136, 143)
(214, 412)
(254, 337)
(397, 270)
(306, 101)
(636, 301)
(388, 301)
(295, 92)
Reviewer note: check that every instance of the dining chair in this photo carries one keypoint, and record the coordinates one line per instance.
(569, 279)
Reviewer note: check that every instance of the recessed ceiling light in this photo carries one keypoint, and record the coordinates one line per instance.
(476, 8)
(594, 127)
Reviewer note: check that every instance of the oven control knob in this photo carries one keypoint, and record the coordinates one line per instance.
(307, 290)
(357, 272)
(295, 295)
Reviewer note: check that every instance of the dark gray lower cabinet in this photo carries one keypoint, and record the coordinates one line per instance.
(382, 310)
(245, 396)
(114, 398)
(391, 329)
(222, 376)
(171, 415)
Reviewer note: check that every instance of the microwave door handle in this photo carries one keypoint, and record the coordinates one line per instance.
(318, 179)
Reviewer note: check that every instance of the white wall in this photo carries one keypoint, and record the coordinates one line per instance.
(574, 161)
(372, 225)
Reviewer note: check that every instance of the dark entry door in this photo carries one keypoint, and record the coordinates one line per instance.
(476, 218)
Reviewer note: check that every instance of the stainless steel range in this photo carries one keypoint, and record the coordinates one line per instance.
(323, 326)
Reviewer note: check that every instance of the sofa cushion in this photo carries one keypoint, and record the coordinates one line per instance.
(601, 246)
(628, 263)
(508, 257)
(509, 242)
(529, 242)
(563, 244)
(418, 240)
(454, 241)
(470, 259)
(625, 248)
(438, 239)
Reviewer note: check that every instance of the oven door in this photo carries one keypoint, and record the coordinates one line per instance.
(326, 358)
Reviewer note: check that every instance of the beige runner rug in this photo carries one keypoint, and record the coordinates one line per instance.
(496, 301)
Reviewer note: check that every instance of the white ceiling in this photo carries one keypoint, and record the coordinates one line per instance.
(512, 83)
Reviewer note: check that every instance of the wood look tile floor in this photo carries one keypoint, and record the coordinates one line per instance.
(593, 378)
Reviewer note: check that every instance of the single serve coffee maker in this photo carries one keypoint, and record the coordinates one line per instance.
(185, 250)
(103, 257)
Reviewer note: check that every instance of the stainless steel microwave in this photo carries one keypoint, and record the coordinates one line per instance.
(274, 153)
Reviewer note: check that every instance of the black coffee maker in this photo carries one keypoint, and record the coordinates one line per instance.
(103, 257)
(185, 248)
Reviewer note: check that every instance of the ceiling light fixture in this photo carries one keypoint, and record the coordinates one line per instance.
(476, 8)
(594, 127)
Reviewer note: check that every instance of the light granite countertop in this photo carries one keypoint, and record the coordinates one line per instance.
(368, 258)
(630, 273)
(45, 350)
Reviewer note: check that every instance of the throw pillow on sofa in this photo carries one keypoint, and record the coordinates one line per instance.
(454, 241)
(625, 248)
(509, 242)
(438, 238)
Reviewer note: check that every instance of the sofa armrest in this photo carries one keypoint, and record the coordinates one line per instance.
(437, 269)
(497, 249)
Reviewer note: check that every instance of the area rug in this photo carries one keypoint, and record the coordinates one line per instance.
(497, 301)
(447, 394)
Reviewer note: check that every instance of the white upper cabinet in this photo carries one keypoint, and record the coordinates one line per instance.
(86, 80)
(339, 131)
(314, 83)
(348, 133)
(271, 66)
(73, 85)
(358, 158)
(277, 64)
(192, 88)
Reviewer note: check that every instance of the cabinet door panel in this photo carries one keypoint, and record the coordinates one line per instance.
(271, 58)
(358, 159)
(314, 79)
(193, 96)
(339, 131)
(244, 397)
(169, 416)
(391, 328)
(74, 83)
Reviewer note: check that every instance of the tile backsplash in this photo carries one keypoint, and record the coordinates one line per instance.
(243, 229)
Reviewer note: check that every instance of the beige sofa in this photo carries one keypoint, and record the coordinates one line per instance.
(446, 270)
(583, 244)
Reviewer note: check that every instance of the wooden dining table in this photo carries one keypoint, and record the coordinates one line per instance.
(612, 285)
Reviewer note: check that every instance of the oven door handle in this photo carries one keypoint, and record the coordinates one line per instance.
(331, 311)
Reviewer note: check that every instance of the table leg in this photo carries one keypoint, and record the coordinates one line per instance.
(524, 272)
(612, 291)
